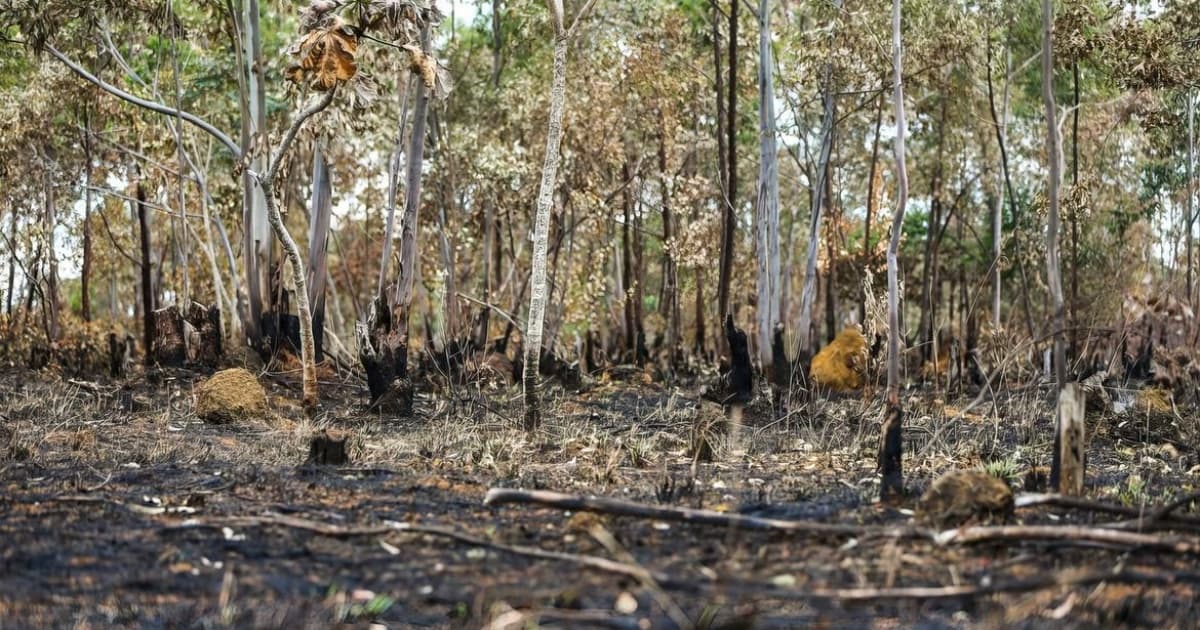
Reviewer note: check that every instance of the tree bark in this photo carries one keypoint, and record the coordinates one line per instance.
(85, 271)
(266, 182)
(51, 300)
(531, 377)
(1053, 273)
(670, 301)
(729, 218)
(872, 200)
(767, 219)
(891, 446)
(1191, 190)
(147, 291)
(929, 268)
(808, 293)
(321, 209)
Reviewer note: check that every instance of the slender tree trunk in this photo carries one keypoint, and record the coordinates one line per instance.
(1074, 300)
(183, 297)
(670, 301)
(872, 199)
(497, 46)
(51, 220)
(1001, 127)
(531, 377)
(85, 271)
(831, 262)
(729, 218)
(808, 293)
(1191, 189)
(394, 183)
(768, 198)
(929, 275)
(266, 181)
(891, 447)
(147, 291)
(12, 266)
(1053, 272)
(320, 212)
(627, 279)
(256, 237)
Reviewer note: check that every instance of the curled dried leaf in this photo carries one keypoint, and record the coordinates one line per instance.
(325, 56)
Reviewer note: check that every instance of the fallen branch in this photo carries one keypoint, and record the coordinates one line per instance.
(1068, 534)
(1144, 517)
(388, 527)
(1069, 578)
(604, 505)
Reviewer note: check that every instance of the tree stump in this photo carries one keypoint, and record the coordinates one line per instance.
(194, 338)
(120, 354)
(1066, 473)
(383, 351)
(329, 448)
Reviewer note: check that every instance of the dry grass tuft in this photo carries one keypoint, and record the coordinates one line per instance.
(231, 396)
(840, 366)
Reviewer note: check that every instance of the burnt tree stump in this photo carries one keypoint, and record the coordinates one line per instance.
(329, 447)
(383, 351)
(120, 354)
(182, 338)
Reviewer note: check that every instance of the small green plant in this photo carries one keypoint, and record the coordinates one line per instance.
(1007, 469)
(1134, 491)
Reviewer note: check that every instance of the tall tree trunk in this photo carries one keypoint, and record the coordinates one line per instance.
(891, 447)
(831, 243)
(808, 293)
(389, 229)
(266, 181)
(767, 219)
(929, 274)
(85, 271)
(1191, 189)
(320, 211)
(183, 296)
(12, 265)
(1074, 301)
(256, 236)
(1053, 272)
(497, 49)
(531, 377)
(729, 218)
(874, 189)
(1001, 127)
(627, 266)
(51, 297)
(147, 291)
(670, 301)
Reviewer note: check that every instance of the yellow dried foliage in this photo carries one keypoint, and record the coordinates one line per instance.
(841, 365)
(326, 56)
(422, 64)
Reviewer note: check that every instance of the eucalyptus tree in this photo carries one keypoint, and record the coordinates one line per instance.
(890, 445)
(767, 206)
(531, 378)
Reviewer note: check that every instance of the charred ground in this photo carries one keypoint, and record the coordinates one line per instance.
(100, 503)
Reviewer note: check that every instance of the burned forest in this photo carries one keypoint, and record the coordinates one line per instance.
(591, 314)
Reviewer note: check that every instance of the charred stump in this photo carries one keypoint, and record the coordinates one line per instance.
(193, 338)
(383, 351)
(120, 354)
(736, 388)
(329, 448)
(890, 454)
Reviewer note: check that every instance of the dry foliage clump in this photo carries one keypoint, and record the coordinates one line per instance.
(965, 496)
(840, 366)
(230, 396)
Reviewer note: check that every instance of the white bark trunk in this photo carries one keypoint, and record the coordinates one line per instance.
(893, 298)
(767, 233)
(532, 342)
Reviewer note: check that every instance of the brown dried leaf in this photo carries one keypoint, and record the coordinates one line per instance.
(326, 56)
